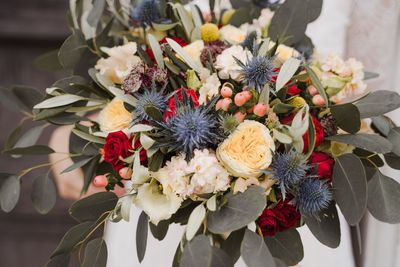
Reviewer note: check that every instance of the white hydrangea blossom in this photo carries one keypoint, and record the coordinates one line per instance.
(226, 64)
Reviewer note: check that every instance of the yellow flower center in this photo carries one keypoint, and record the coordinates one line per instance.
(209, 32)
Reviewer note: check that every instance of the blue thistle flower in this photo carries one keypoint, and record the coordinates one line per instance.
(250, 40)
(257, 71)
(288, 168)
(149, 98)
(313, 196)
(146, 12)
(191, 128)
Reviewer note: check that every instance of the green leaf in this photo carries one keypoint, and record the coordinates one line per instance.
(232, 244)
(264, 95)
(29, 138)
(350, 187)
(95, 253)
(57, 101)
(26, 97)
(286, 72)
(96, 12)
(61, 260)
(394, 138)
(184, 55)
(13, 137)
(160, 230)
(347, 117)
(74, 235)
(254, 251)
(43, 194)
(370, 75)
(30, 150)
(141, 236)
(89, 137)
(93, 206)
(369, 142)
(239, 210)
(186, 21)
(384, 198)
(383, 124)
(72, 50)
(286, 246)
(392, 160)
(77, 165)
(119, 93)
(49, 113)
(9, 193)
(154, 113)
(197, 253)
(317, 83)
(326, 227)
(48, 61)
(164, 27)
(220, 258)
(89, 171)
(196, 219)
(378, 103)
(158, 54)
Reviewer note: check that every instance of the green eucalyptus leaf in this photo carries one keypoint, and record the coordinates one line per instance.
(350, 187)
(347, 117)
(239, 210)
(154, 113)
(196, 219)
(95, 253)
(43, 194)
(232, 244)
(394, 138)
(46, 114)
(74, 235)
(92, 207)
(77, 165)
(392, 160)
(286, 246)
(286, 72)
(30, 150)
(370, 75)
(13, 138)
(369, 142)
(155, 47)
(89, 137)
(326, 226)
(29, 138)
(254, 251)
(197, 253)
(61, 260)
(9, 193)
(72, 50)
(384, 198)
(26, 97)
(378, 103)
(164, 27)
(220, 258)
(383, 124)
(57, 101)
(160, 230)
(48, 61)
(141, 235)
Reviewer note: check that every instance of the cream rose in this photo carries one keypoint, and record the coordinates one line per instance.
(120, 62)
(114, 117)
(232, 35)
(247, 151)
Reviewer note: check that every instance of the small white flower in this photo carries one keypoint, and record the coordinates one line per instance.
(232, 35)
(209, 89)
(226, 64)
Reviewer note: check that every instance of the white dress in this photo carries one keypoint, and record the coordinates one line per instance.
(329, 35)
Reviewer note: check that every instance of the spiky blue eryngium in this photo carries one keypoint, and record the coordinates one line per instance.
(149, 98)
(288, 168)
(191, 128)
(258, 70)
(313, 196)
(146, 12)
(250, 40)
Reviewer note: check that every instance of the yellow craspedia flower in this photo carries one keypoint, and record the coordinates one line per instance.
(247, 151)
(114, 117)
(297, 102)
(209, 32)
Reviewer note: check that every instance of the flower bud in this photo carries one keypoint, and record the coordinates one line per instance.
(226, 92)
(225, 104)
(318, 100)
(248, 95)
(312, 90)
(100, 181)
(125, 173)
(261, 109)
(240, 116)
(240, 99)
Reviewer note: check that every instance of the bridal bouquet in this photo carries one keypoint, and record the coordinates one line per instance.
(225, 122)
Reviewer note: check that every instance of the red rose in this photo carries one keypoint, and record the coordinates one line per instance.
(171, 110)
(293, 90)
(280, 218)
(319, 130)
(324, 164)
(180, 41)
(117, 146)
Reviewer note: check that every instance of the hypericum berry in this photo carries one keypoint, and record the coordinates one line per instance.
(240, 116)
(125, 173)
(247, 94)
(100, 181)
(240, 99)
(261, 109)
(318, 100)
(225, 104)
(312, 90)
(218, 105)
(226, 92)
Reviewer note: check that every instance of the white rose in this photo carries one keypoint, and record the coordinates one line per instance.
(120, 62)
(226, 64)
(209, 89)
(247, 151)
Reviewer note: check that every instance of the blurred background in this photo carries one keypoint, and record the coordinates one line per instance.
(368, 30)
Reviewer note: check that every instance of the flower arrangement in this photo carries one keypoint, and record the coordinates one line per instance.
(224, 122)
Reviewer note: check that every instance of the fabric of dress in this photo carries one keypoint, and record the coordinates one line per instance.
(329, 35)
